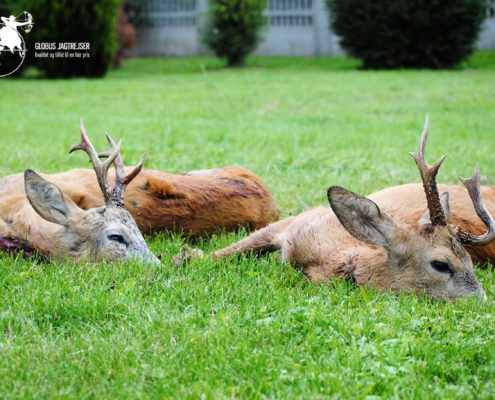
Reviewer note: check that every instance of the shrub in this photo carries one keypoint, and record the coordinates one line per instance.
(135, 11)
(75, 21)
(234, 28)
(126, 34)
(408, 33)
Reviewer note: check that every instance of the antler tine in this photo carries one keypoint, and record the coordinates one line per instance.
(101, 168)
(428, 174)
(129, 177)
(474, 189)
(85, 145)
(121, 180)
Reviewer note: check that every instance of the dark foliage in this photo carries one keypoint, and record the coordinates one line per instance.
(408, 33)
(93, 22)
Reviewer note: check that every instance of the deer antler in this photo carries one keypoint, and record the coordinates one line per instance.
(474, 189)
(428, 174)
(121, 179)
(115, 196)
(101, 168)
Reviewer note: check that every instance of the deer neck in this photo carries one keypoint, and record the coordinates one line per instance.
(372, 268)
(20, 223)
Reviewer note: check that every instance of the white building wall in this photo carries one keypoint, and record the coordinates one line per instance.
(487, 36)
(294, 28)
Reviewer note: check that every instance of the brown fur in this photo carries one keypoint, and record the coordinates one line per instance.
(196, 203)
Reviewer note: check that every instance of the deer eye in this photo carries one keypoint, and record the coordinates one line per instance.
(117, 238)
(442, 267)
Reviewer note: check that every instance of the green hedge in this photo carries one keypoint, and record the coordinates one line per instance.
(408, 33)
(74, 21)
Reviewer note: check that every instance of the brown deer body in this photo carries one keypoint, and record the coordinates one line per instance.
(43, 219)
(357, 240)
(197, 203)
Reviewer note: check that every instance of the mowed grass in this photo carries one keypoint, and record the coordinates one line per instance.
(250, 327)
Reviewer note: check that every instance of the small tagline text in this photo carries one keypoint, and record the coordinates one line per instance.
(62, 50)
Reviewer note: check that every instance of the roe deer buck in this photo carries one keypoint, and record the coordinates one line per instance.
(358, 241)
(196, 203)
(45, 220)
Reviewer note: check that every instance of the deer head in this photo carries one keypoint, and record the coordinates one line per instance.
(107, 232)
(429, 258)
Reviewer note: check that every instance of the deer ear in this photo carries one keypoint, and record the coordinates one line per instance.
(361, 217)
(444, 201)
(47, 199)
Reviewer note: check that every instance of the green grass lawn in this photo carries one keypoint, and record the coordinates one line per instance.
(249, 328)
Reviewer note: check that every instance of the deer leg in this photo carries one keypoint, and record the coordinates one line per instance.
(264, 240)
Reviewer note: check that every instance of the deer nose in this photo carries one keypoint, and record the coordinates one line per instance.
(148, 256)
(156, 260)
(481, 294)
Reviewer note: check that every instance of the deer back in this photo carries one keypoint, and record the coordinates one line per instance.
(196, 203)
(407, 203)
